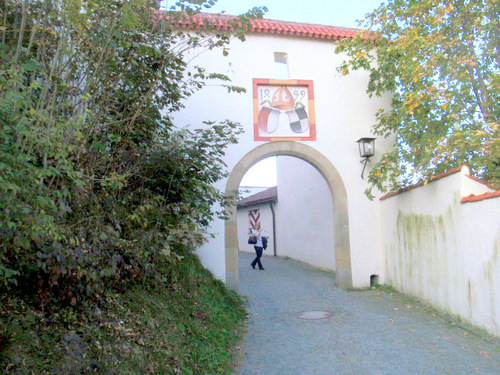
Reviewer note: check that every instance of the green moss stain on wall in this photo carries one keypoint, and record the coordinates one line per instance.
(421, 255)
(443, 260)
(493, 276)
(470, 295)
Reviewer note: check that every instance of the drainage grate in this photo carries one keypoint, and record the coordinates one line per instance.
(315, 315)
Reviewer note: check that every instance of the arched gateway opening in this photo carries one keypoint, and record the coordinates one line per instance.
(339, 204)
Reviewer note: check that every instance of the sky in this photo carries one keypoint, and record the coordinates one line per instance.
(261, 174)
(342, 13)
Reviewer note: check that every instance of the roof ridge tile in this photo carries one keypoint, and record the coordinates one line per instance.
(480, 197)
(264, 25)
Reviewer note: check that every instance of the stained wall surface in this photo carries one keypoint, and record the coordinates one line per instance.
(446, 252)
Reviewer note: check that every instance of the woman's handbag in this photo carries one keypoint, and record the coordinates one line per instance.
(252, 240)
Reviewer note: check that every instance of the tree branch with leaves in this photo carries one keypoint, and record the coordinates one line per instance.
(440, 61)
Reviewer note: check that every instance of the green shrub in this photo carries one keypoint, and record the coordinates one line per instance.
(96, 183)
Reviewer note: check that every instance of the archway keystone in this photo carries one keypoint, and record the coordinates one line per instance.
(339, 204)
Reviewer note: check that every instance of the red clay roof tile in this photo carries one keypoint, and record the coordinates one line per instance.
(475, 198)
(267, 26)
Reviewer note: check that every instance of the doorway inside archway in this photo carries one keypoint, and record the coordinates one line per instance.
(290, 200)
(339, 207)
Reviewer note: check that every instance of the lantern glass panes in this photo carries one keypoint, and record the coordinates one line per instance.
(366, 147)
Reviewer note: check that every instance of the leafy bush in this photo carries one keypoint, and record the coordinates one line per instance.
(96, 184)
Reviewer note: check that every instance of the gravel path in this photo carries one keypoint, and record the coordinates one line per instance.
(302, 324)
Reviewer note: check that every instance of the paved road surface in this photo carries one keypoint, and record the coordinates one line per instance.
(301, 324)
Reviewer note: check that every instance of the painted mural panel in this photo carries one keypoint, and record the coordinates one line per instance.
(283, 110)
(254, 218)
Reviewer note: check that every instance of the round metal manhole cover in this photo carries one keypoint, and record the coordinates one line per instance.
(315, 315)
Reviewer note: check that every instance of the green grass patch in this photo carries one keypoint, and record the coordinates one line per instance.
(188, 325)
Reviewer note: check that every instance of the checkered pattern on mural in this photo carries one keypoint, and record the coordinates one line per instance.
(299, 122)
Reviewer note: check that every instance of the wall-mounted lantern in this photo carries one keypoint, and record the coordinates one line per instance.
(366, 150)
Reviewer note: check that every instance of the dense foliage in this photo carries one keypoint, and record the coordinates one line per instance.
(440, 60)
(190, 325)
(96, 184)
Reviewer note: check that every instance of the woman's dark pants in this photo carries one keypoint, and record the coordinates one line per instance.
(258, 251)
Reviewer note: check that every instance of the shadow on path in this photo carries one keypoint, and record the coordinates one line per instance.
(301, 324)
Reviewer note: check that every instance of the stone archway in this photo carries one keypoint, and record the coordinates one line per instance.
(339, 203)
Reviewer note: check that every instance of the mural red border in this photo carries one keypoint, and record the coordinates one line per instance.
(286, 83)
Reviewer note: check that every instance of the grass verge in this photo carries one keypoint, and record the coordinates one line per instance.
(188, 325)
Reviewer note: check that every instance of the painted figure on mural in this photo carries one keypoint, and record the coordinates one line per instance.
(259, 246)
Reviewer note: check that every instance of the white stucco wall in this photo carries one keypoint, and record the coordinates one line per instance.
(304, 222)
(266, 224)
(446, 252)
(344, 113)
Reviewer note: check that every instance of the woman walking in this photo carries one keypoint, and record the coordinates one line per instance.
(256, 232)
